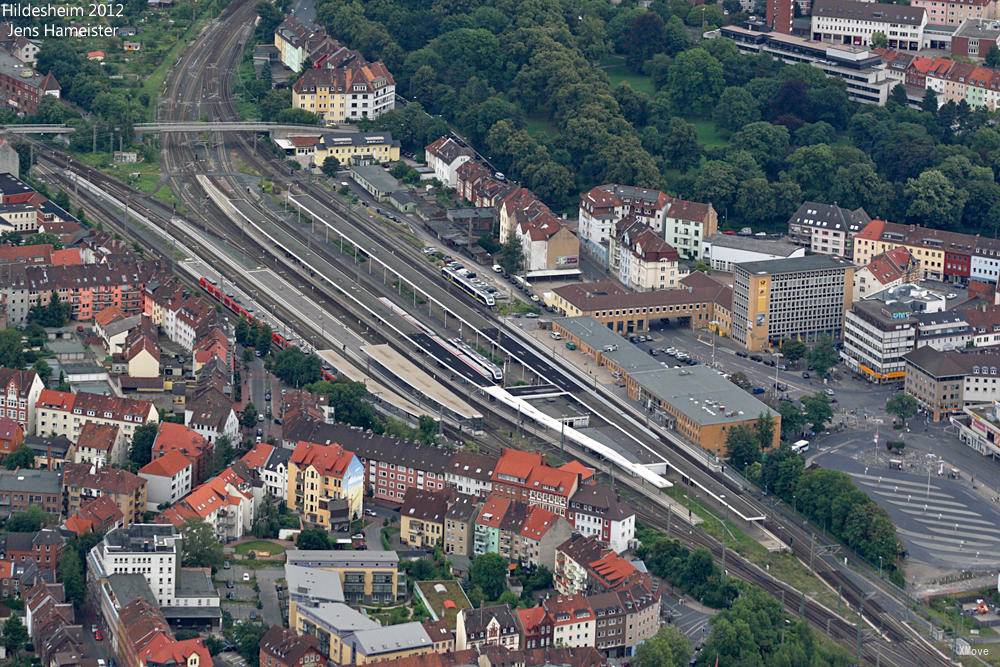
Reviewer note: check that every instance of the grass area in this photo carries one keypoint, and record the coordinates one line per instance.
(260, 546)
(539, 127)
(437, 592)
(708, 134)
(517, 306)
(143, 176)
(618, 71)
(782, 566)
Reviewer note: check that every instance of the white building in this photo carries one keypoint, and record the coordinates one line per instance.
(63, 413)
(211, 414)
(445, 156)
(827, 229)
(641, 259)
(100, 445)
(722, 251)
(19, 392)
(856, 23)
(168, 479)
(574, 624)
(595, 511)
(469, 474)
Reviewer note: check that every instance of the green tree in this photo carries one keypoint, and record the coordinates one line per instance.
(248, 419)
(313, 539)
(222, 454)
(667, 648)
(792, 420)
(30, 520)
(245, 636)
(55, 313)
(349, 402)
(934, 200)
(427, 429)
(11, 349)
(793, 349)
(201, 547)
(43, 369)
(742, 447)
(71, 575)
(879, 40)
(823, 356)
(993, 56)
(695, 82)
(737, 108)
(331, 166)
(295, 367)
(489, 572)
(741, 380)
(930, 102)
(817, 411)
(262, 339)
(141, 451)
(15, 635)
(511, 256)
(22, 457)
(903, 406)
(763, 430)
(680, 146)
(781, 471)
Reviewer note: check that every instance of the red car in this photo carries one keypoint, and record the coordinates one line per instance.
(98, 635)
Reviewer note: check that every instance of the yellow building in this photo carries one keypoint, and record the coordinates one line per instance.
(422, 517)
(318, 474)
(800, 297)
(351, 91)
(927, 246)
(366, 576)
(348, 149)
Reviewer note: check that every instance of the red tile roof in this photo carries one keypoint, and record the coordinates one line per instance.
(66, 257)
(328, 460)
(101, 437)
(257, 457)
(56, 400)
(167, 465)
(538, 522)
(493, 511)
(177, 436)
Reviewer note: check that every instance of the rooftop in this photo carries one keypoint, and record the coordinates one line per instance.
(313, 584)
(794, 265)
(868, 11)
(332, 558)
(444, 598)
(702, 395)
(753, 244)
(391, 639)
(627, 356)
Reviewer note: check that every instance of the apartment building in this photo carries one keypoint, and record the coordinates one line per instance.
(942, 255)
(459, 526)
(168, 479)
(779, 15)
(855, 23)
(445, 155)
(210, 413)
(351, 91)
(946, 382)
(863, 72)
(549, 246)
(422, 518)
(827, 229)
(282, 647)
(524, 476)
(485, 627)
(805, 297)
(43, 547)
(641, 259)
(19, 393)
(687, 224)
(518, 532)
(22, 87)
(367, 577)
(100, 445)
(890, 269)
(596, 511)
(979, 428)
(976, 37)
(318, 474)
(954, 12)
(173, 437)
(64, 413)
(81, 482)
(21, 489)
(574, 624)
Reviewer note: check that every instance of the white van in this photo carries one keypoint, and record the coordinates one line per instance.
(801, 447)
(555, 335)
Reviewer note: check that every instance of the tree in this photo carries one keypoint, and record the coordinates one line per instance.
(737, 108)
(201, 547)
(30, 520)
(313, 539)
(823, 356)
(262, 339)
(295, 367)
(222, 454)
(680, 146)
(696, 81)
(248, 419)
(53, 314)
(489, 572)
(781, 471)
(792, 349)
(646, 37)
(930, 102)
(817, 411)
(880, 41)
(22, 457)
(993, 56)
(741, 380)
(246, 636)
(742, 447)
(763, 430)
(902, 405)
(71, 574)
(331, 166)
(667, 648)
(427, 429)
(934, 200)
(141, 451)
(15, 635)
(11, 349)
(43, 369)
(349, 402)
(511, 255)
(792, 420)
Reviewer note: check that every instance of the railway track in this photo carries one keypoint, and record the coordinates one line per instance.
(200, 86)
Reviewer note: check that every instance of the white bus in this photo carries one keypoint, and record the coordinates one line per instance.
(801, 447)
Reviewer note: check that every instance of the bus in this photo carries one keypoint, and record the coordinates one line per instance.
(801, 447)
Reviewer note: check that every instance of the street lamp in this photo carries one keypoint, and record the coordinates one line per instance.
(777, 359)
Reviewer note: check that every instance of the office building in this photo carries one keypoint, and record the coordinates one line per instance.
(805, 298)
(367, 577)
(945, 383)
(856, 23)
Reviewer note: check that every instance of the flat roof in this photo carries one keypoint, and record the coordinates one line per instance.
(314, 583)
(557, 407)
(333, 558)
(194, 582)
(382, 180)
(702, 395)
(628, 357)
(753, 244)
(794, 264)
(406, 371)
(444, 598)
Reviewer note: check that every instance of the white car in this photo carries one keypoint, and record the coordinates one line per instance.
(429, 250)
(497, 268)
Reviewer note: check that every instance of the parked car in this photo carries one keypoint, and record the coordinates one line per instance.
(758, 390)
(267, 396)
(246, 576)
(756, 357)
(98, 635)
(781, 386)
(741, 353)
(805, 375)
(770, 362)
(230, 584)
(828, 391)
(225, 564)
(371, 512)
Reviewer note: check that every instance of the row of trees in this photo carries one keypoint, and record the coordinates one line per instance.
(693, 572)
(254, 334)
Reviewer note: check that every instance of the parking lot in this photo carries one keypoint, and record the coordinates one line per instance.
(241, 600)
